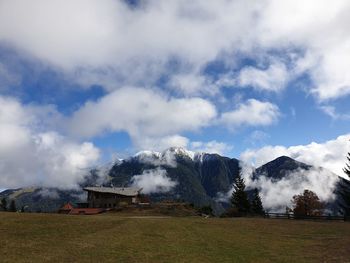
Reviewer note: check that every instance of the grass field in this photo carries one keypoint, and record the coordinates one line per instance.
(113, 238)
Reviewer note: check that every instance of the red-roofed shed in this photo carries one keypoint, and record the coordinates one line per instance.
(65, 209)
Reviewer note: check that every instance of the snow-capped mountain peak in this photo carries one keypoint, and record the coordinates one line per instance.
(179, 151)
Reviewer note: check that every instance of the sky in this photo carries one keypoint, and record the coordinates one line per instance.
(83, 82)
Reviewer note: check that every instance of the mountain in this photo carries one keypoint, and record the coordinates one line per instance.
(278, 168)
(198, 178)
(37, 199)
(285, 174)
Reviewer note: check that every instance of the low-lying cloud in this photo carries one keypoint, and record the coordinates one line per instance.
(153, 181)
(166, 158)
(49, 193)
(277, 195)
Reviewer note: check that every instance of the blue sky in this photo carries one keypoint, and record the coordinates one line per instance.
(84, 82)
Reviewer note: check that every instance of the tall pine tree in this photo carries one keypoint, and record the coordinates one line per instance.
(256, 205)
(345, 190)
(13, 207)
(4, 204)
(239, 198)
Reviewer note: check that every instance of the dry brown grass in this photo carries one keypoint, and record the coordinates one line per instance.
(113, 238)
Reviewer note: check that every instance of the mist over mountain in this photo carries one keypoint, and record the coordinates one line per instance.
(198, 178)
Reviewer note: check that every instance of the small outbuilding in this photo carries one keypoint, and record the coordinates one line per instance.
(111, 197)
(65, 209)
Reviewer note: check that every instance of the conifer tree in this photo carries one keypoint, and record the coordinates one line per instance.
(347, 166)
(239, 198)
(13, 207)
(345, 190)
(4, 204)
(256, 205)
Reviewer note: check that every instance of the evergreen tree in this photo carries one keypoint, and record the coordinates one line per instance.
(4, 204)
(239, 199)
(256, 205)
(347, 166)
(13, 207)
(345, 189)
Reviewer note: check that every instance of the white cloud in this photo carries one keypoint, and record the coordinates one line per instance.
(32, 156)
(331, 112)
(166, 157)
(251, 113)
(145, 114)
(274, 78)
(103, 41)
(83, 36)
(304, 25)
(153, 181)
(330, 154)
(276, 195)
(49, 193)
(160, 143)
(211, 147)
(192, 83)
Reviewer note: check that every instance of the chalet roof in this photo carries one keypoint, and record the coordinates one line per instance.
(127, 191)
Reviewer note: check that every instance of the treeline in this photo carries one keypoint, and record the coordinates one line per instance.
(4, 206)
(241, 204)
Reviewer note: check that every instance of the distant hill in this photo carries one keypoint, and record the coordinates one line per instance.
(278, 168)
(199, 177)
(41, 199)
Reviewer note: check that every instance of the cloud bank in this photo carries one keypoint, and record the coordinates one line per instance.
(277, 195)
(95, 41)
(33, 156)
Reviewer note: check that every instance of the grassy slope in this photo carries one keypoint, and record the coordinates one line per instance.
(111, 238)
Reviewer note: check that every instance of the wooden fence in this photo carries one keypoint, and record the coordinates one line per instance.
(292, 216)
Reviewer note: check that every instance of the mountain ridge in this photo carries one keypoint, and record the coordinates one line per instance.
(200, 177)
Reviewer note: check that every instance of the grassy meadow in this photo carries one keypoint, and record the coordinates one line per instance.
(115, 238)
